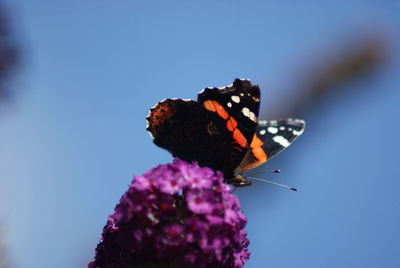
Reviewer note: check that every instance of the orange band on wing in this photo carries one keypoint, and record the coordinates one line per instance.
(257, 150)
(214, 106)
(209, 105)
(231, 123)
(239, 138)
(259, 154)
(256, 142)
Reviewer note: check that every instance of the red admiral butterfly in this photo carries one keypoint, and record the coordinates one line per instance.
(221, 130)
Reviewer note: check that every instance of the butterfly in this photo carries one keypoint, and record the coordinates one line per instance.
(221, 130)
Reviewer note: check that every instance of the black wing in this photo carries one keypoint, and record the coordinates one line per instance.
(184, 129)
(234, 107)
(278, 134)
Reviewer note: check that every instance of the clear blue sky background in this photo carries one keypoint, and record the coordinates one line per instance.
(75, 134)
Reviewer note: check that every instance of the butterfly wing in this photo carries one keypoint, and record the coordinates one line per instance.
(184, 129)
(277, 135)
(221, 130)
(270, 138)
(170, 118)
(235, 108)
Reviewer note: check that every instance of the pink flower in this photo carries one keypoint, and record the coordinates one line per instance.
(177, 214)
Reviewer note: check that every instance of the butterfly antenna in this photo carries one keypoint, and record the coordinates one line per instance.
(267, 171)
(275, 183)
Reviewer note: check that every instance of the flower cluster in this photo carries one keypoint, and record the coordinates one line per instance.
(175, 215)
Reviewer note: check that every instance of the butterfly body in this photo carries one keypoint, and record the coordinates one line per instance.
(221, 130)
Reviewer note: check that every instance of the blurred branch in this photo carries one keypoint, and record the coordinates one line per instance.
(329, 78)
(353, 62)
(9, 53)
(9, 63)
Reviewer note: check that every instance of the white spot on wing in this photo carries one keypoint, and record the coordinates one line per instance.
(253, 117)
(246, 112)
(235, 99)
(298, 133)
(249, 114)
(222, 88)
(281, 140)
(229, 104)
(151, 135)
(272, 130)
(282, 128)
(262, 132)
(241, 94)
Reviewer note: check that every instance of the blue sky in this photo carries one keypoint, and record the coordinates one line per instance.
(75, 134)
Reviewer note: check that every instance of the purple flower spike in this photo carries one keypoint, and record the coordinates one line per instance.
(175, 215)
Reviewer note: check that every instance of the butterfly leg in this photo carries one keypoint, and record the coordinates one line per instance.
(240, 181)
